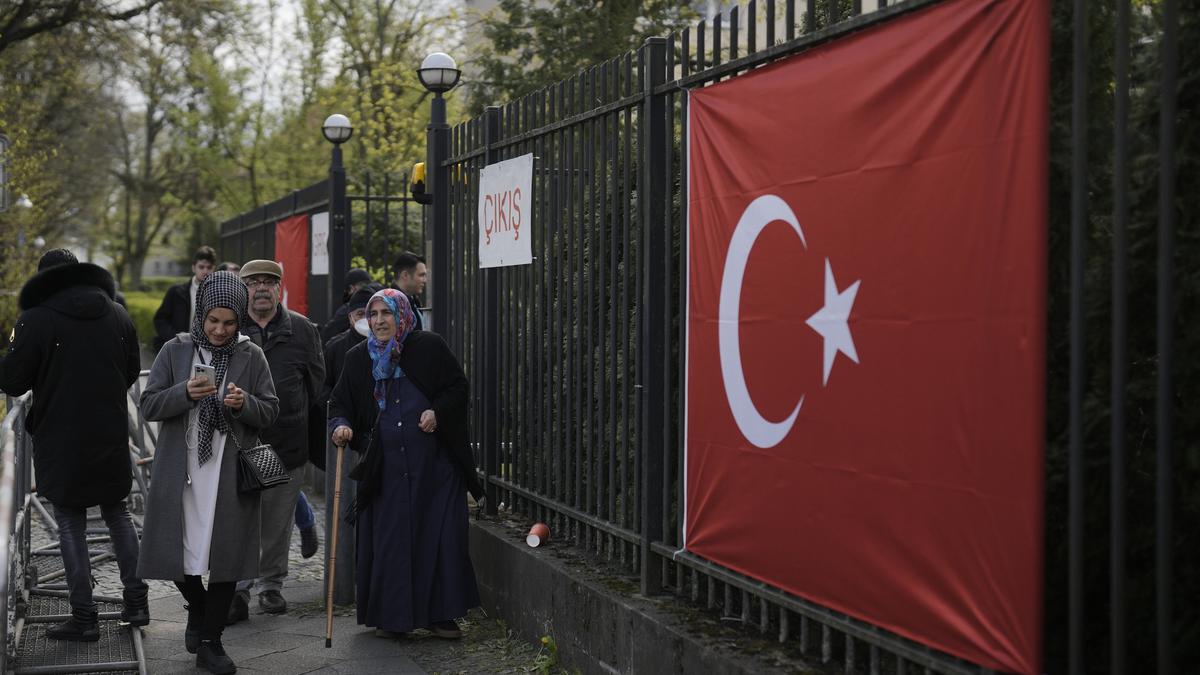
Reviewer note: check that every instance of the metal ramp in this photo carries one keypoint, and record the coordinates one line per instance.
(33, 594)
(43, 603)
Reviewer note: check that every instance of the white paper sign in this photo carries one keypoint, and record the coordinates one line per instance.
(505, 199)
(320, 243)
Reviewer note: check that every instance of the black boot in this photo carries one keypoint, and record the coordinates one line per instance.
(81, 627)
(137, 609)
(211, 656)
(191, 634)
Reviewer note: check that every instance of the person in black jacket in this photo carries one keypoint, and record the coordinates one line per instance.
(355, 279)
(78, 351)
(401, 403)
(411, 275)
(355, 330)
(174, 315)
(293, 349)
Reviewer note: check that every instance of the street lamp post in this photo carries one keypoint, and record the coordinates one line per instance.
(337, 130)
(438, 73)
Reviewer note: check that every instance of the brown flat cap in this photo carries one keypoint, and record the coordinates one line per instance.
(258, 267)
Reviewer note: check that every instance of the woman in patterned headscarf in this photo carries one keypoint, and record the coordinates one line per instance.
(401, 402)
(193, 490)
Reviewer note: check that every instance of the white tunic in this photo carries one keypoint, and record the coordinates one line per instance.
(200, 497)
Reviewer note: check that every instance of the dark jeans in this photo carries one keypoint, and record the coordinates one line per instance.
(72, 538)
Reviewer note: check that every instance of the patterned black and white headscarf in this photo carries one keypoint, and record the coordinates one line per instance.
(220, 289)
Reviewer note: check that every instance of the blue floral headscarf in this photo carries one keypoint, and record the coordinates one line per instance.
(385, 356)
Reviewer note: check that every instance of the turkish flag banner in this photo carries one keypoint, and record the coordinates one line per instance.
(866, 326)
(291, 252)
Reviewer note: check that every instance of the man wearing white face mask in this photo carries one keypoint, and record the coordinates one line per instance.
(355, 332)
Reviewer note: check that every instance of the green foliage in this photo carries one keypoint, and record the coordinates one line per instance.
(142, 305)
(160, 285)
(533, 45)
(547, 655)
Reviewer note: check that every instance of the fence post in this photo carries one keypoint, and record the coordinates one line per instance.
(437, 183)
(491, 340)
(339, 229)
(653, 199)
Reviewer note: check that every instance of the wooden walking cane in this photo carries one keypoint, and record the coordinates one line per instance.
(332, 546)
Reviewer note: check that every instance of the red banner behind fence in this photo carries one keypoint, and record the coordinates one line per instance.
(866, 326)
(291, 251)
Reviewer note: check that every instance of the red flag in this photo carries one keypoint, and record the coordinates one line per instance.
(866, 326)
(291, 252)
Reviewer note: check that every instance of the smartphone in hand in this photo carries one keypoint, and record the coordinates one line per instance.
(204, 372)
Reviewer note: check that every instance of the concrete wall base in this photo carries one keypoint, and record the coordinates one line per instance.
(599, 623)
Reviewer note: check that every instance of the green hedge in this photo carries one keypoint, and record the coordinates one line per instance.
(142, 305)
(160, 285)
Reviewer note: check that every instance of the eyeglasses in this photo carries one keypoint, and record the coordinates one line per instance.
(269, 282)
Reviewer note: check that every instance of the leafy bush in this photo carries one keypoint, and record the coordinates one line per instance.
(160, 285)
(142, 305)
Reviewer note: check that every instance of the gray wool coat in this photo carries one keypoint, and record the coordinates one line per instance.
(235, 545)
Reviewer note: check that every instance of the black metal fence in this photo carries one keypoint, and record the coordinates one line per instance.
(384, 221)
(576, 359)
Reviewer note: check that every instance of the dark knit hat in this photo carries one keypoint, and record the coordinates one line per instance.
(363, 295)
(357, 276)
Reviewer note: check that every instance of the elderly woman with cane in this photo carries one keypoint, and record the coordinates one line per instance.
(207, 387)
(401, 403)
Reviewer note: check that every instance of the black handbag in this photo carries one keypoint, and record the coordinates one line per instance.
(259, 468)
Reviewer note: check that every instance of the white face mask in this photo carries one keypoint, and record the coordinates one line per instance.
(362, 328)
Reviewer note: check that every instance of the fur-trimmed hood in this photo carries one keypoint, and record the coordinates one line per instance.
(96, 290)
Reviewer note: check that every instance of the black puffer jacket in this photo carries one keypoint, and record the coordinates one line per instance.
(78, 351)
(293, 349)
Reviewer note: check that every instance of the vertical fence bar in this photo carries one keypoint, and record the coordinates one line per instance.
(561, 234)
(604, 484)
(652, 355)
(1077, 345)
(615, 281)
(1120, 251)
(1167, 219)
(770, 23)
(716, 39)
(386, 249)
(368, 226)
(810, 17)
(490, 360)
(627, 391)
(591, 492)
(575, 354)
(684, 262)
(752, 27)
(543, 161)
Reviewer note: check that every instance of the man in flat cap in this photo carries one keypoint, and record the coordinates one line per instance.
(293, 349)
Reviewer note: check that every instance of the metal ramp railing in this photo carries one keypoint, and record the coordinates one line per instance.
(33, 595)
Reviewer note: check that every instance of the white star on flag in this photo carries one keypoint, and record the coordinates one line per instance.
(830, 321)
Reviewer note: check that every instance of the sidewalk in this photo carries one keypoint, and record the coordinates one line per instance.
(294, 643)
(288, 643)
